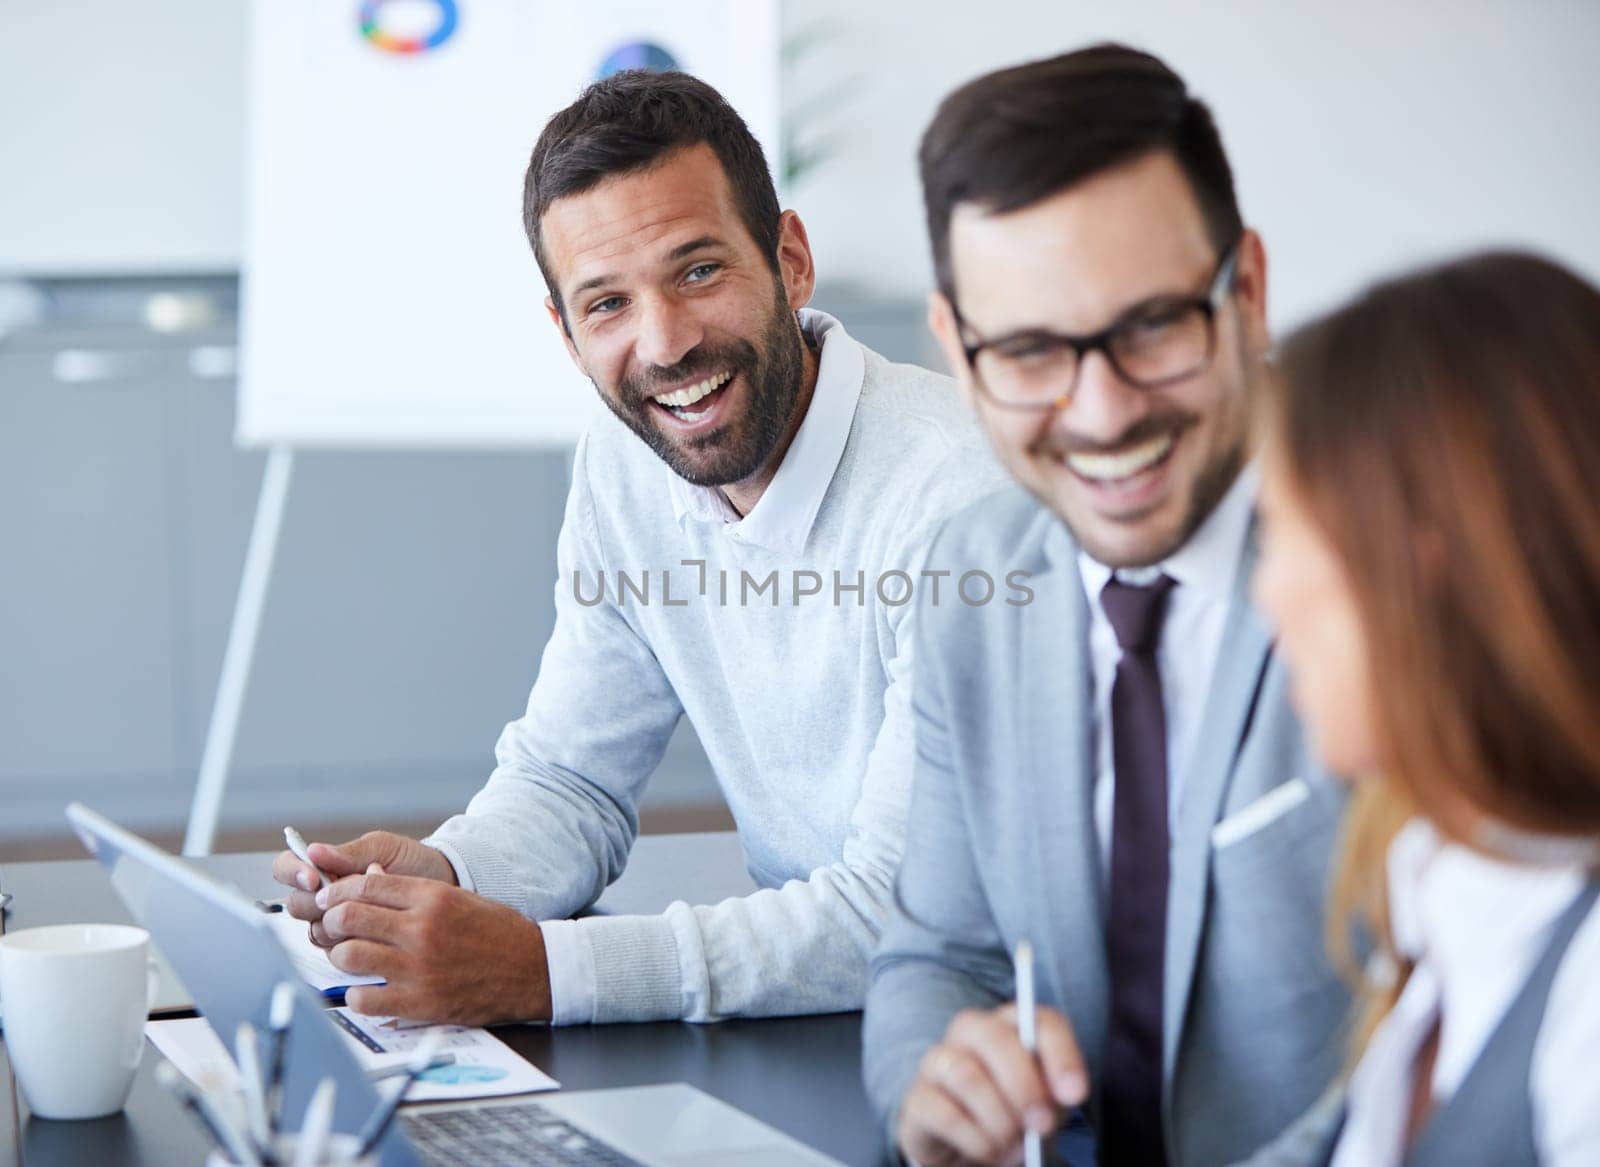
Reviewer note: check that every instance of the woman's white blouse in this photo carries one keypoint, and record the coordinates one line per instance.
(1476, 926)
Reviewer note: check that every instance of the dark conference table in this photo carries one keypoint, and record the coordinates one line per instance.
(801, 1075)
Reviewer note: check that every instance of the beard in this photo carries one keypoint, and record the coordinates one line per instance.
(773, 373)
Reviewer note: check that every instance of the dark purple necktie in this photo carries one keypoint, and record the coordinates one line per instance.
(1129, 1134)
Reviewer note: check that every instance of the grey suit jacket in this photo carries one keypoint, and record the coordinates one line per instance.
(1001, 846)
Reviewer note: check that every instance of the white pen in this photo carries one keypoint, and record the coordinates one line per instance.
(281, 1016)
(1022, 961)
(247, 1053)
(404, 1067)
(373, 1130)
(302, 852)
(314, 1132)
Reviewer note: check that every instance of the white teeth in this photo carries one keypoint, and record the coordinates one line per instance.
(1123, 464)
(683, 397)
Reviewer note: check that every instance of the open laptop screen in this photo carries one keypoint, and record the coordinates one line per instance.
(222, 946)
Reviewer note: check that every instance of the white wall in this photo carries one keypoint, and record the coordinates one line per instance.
(1365, 134)
(121, 135)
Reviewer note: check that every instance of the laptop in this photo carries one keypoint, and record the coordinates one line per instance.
(223, 948)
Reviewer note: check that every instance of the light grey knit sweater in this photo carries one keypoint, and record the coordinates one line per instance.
(797, 685)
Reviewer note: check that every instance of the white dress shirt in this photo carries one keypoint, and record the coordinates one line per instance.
(1205, 570)
(1475, 927)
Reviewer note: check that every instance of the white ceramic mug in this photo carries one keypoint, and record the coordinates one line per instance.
(75, 998)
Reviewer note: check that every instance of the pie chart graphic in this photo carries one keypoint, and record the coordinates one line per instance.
(636, 55)
(384, 35)
(462, 1075)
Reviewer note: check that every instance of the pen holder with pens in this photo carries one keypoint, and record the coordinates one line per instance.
(337, 1151)
(246, 1122)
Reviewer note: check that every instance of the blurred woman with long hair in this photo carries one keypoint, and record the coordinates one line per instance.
(1431, 558)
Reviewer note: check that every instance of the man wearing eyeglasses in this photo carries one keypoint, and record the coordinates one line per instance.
(1112, 771)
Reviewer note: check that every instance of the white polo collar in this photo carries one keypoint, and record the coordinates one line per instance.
(783, 517)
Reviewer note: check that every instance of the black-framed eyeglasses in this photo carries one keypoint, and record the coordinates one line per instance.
(1156, 343)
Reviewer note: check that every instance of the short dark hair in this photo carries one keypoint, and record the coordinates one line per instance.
(1017, 136)
(631, 121)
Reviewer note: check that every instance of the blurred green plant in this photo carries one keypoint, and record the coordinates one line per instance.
(812, 128)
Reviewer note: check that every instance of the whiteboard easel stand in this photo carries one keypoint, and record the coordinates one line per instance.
(259, 556)
(236, 661)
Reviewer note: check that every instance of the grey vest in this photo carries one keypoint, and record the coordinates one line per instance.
(1489, 1119)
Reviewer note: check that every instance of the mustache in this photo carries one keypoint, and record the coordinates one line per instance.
(1061, 444)
(697, 364)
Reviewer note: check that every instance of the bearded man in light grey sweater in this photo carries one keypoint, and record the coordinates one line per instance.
(742, 544)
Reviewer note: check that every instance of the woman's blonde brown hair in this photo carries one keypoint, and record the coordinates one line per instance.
(1444, 432)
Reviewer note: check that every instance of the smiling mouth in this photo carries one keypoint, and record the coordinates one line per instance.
(682, 403)
(1125, 464)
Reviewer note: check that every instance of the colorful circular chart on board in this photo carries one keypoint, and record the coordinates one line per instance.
(635, 55)
(395, 40)
(463, 1075)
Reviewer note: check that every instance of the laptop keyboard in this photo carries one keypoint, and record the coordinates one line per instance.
(507, 1136)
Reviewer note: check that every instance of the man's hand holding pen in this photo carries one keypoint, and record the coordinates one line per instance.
(445, 954)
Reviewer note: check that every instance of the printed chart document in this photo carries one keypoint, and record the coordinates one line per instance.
(484, 1066)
